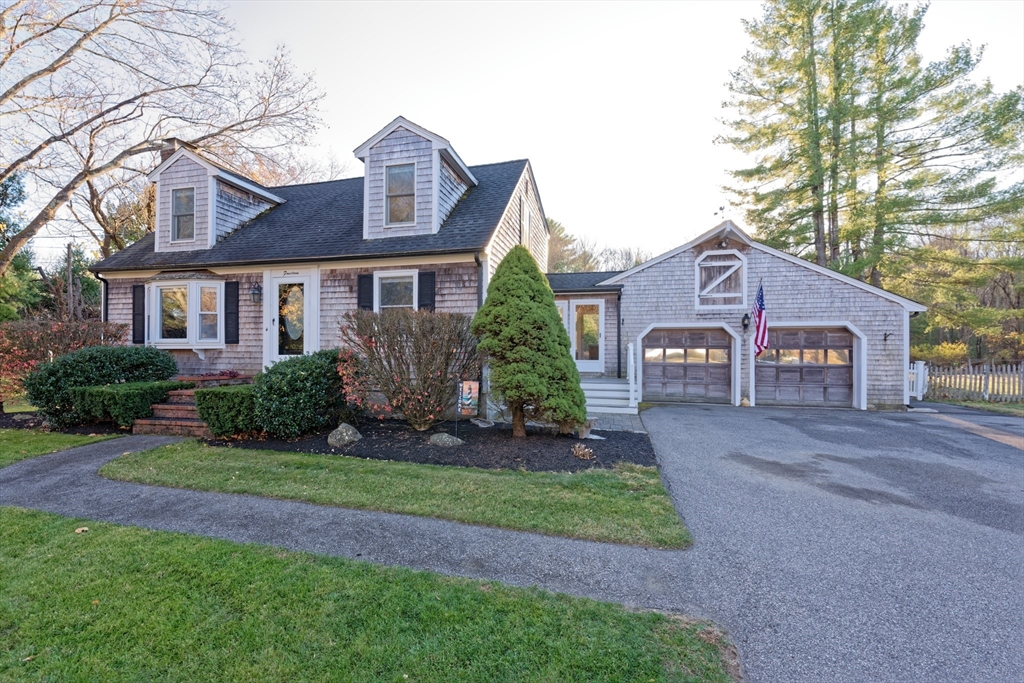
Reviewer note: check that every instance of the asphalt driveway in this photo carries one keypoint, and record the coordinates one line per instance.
(850, 546)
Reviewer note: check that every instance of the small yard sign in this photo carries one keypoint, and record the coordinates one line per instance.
(469, 398)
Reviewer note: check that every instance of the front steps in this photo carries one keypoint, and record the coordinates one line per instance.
(607, 395)
(177, 417)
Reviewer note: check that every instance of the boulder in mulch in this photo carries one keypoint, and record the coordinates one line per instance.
(343, 435)
(445, 440)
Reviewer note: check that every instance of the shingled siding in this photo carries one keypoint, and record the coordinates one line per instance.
(234, 208)
(611, 345)
(509, 232)
(400, 147)
(449, 192)
(181, 174)
(664, 293)
(245, 357)
(454, 290)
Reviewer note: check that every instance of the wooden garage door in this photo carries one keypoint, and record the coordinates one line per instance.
(806, 367)
(687, 365)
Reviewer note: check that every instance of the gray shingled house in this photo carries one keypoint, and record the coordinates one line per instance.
(237, 276)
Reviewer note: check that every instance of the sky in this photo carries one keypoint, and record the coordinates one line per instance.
(616, 105)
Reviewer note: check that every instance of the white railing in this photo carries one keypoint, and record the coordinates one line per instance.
(634, 391)
(917, 379)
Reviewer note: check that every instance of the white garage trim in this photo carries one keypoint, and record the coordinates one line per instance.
(734, 355)
(860, 355)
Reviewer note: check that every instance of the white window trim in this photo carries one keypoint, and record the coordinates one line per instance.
(192, 340)
(415, 170)
(377, 275)
(170, 224)
(742, 304)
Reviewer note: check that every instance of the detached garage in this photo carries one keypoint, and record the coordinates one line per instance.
(833, 341)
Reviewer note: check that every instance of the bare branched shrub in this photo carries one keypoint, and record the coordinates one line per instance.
(413, 358)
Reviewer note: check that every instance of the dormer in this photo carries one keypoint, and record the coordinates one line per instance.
(413, 179)
(198, 202)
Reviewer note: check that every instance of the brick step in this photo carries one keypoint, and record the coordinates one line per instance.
(186, 411)
(172, 427)
(182, 396)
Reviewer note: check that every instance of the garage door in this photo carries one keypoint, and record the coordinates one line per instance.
(806, 367)
(687, 365)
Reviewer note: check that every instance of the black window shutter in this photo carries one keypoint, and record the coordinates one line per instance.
(231, 312)
(138, 314)
(364, 296)
(426, 292)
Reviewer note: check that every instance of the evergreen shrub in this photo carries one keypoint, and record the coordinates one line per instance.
(228, 410)
(48, 386)
(121, 403)
(299, 395)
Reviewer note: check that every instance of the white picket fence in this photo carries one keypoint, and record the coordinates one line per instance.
(1000, 383)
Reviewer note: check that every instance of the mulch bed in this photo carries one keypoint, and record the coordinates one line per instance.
(485, 447)
(35, 421)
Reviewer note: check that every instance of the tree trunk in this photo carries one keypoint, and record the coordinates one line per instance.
(518, 421)
(814, 142)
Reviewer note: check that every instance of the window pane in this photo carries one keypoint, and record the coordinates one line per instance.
(696, 355)
(814, 356)
(208, 326)
(766, 356)
(588, 333)
(402, 209)
(207, 299)
(184, 227)
(718, 356)
(183, 202)
(838, 357)
(674, 355)
(396, 292)
(652, 355)
(789, 356)
(173, 312)
(291, 313)
(401, 179)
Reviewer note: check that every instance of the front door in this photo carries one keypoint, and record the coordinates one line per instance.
(584, 321)
(289, 307)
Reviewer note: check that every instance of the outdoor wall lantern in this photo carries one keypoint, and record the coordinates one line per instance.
(746, 321)
(256, 293)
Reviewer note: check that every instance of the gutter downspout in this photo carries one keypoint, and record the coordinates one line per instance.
(479, 280)
(618, 334)
(106, 295)
(482, 411)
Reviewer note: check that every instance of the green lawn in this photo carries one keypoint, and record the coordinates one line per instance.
(123, 603)
(1015, 409)
(18, 444)
(625, 505)
(18, 405)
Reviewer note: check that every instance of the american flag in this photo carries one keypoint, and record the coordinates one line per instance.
(760, 323)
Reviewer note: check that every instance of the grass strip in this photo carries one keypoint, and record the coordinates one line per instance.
(1014, 409)
(123, 603)
(19, 444)
(626, 505)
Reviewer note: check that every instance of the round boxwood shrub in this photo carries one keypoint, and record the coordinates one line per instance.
(48, 386)
(299, 395)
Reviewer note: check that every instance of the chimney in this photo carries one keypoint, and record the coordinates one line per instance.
(172, 145)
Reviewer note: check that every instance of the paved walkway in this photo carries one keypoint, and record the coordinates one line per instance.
(617, 422)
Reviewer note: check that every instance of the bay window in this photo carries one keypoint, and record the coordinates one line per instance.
(187, 314)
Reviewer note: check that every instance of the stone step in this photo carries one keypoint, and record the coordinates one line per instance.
(182, 396)
(606, 393)
(185, 411)
(172, 427)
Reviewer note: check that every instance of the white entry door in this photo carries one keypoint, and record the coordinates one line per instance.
(584, 321)
(291, 317)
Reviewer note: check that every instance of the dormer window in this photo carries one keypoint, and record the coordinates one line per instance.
(401, 194)
(183, 214)
(721, 280)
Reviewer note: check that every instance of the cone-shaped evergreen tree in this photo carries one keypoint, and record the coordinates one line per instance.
(527, 348)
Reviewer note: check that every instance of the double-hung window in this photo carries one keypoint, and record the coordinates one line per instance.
(188, 313)
(395, 289)
(183, 214)
(400, 182)
(721, 280)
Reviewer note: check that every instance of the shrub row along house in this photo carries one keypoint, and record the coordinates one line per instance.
(237, 276)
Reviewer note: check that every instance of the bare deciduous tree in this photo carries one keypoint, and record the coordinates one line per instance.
(92, 87)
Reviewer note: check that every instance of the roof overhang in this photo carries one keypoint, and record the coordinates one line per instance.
(437, 143)
(729, 230)
(216, 171)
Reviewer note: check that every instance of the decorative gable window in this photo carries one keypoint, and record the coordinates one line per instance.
(183, 214)
(401, 194)
(721, 280)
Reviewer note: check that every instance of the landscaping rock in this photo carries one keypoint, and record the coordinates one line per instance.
(343, 436)
(445, 440)
(481, 422)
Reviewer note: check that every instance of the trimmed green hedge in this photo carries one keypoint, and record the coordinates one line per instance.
(121, 403)
(299, 395)
(228, 410)
(48, 386)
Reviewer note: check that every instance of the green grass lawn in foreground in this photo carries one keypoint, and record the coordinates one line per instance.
(1015, 409)
(123, 603)
(624, 505)
(18, 444)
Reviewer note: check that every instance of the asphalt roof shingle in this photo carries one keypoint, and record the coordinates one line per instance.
(576, 282)
(321, 221)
